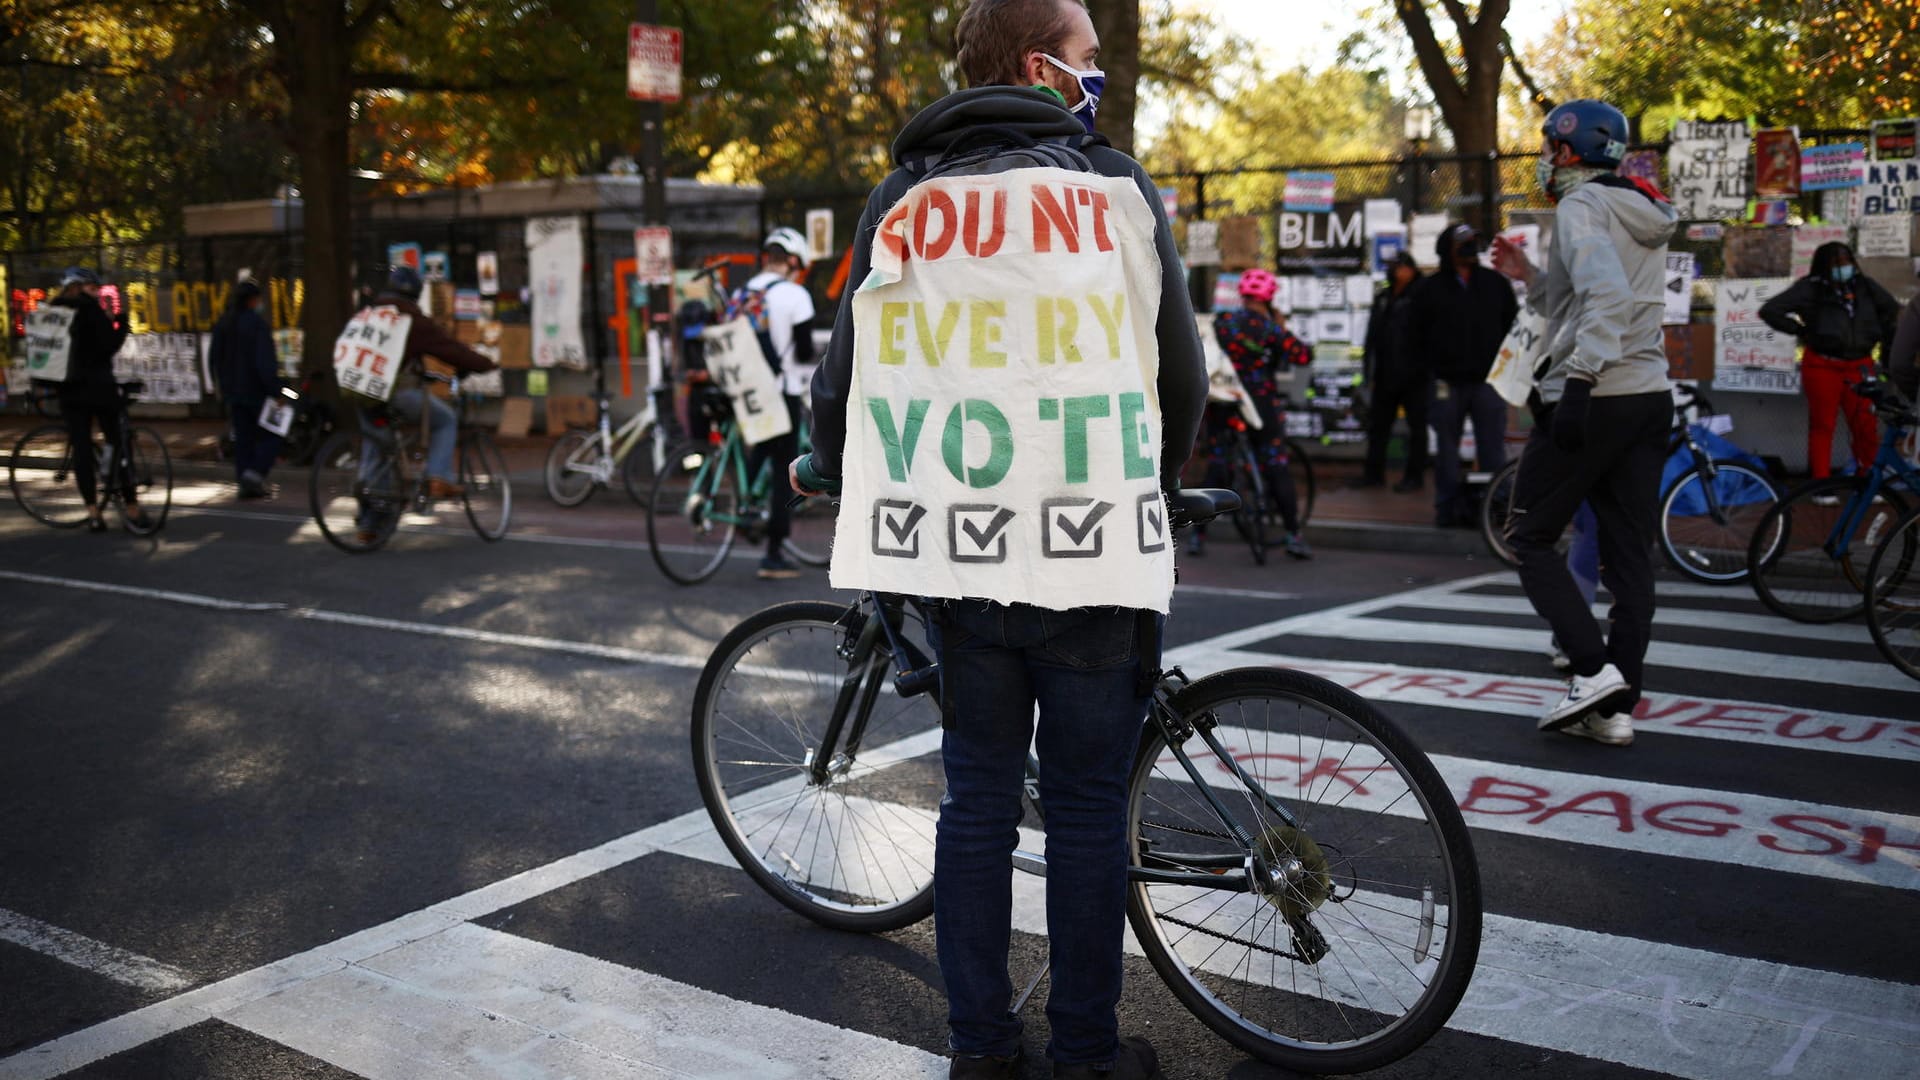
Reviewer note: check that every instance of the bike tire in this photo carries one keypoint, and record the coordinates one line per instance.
(1893, 605)
(1278, 1018)
(40, 475)
(340, 501)
(152, 469)
(487, 491)
(566, 484)
(1495, 506)
(1709, 551)
(1300, 465)
(811, 541)
(1788, 565)
(637, 472)
(866, 838)
(686, 543)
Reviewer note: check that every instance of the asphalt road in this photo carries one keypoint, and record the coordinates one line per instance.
(276, 811)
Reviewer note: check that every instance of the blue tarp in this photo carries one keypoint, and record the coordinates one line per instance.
(1733, 489)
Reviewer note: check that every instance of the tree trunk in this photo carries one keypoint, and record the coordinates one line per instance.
(1118, 24)
(318, 75)
(1469, 98)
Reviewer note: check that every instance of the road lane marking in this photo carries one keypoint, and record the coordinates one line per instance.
(81, 951)
(190, 599)
(1690, 618)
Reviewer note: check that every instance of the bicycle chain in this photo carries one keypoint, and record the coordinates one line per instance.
(1188, 830)
(1228, 937)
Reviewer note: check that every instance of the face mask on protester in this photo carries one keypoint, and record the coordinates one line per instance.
(1543, 175)
(1843, 274)
(1092, 82)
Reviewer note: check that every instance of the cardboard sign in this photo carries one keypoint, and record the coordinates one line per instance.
(1003, 433)
(367, 354)
(1710, 170)
(1747, 353)
(49, 342)
(1240, 242)
(740, 369)
(1679, 289)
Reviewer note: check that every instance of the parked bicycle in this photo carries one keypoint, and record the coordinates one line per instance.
(364, 482)
(1811, 554)
(1300, 876)
(1892, 601)
(41, 474)
(582, 462)
(704, 499)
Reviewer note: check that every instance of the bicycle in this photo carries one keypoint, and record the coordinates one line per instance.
(364, 481)
(1246, 479)
(703, 498)
(1893, 598)
(1274, 820)
(41, 474)
(1803, 553)
(582, 462)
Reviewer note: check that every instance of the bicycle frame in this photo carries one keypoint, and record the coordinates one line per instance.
(1887, 464)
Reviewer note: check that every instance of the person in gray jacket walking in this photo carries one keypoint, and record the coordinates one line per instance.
(1602, 411)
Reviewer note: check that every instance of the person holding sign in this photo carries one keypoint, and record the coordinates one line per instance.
(248, 370)
(1012, 383)
(1602, 409)
(1839, 316)
(782, 311)
(88, 393)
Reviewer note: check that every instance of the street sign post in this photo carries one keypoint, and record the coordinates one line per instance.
(653, 63)
(653, 255)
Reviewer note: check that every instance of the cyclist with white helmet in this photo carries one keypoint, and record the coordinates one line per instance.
(783, 314)
(89, 394)
(1257, 342)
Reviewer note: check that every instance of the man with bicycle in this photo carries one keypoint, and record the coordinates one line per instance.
(782, 312)
(1603, 411)
(90, 395)
(1034, 91)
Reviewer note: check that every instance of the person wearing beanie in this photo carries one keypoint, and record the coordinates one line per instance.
(247, 369)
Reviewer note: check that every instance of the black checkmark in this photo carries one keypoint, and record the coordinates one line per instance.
(1079, 536)
(983, 537)
(1153, 521)
(902, 529)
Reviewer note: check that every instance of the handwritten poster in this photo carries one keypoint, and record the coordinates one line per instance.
(1747, 353)
(168, 365)
(1886, 236)
(1808, 238)
(741, 371)
(555, 255)
(1710, 169)
(368, 353)
(1891, 188)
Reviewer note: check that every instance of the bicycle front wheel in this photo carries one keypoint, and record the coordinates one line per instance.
(1893, 606)
(41, 477)
(854, 852)
(355, 514)
(1495, 506)
(1358, 945)
(1808, 556)
(1706, 522)
(489, 494)
(691, 513)
(570, 467)
(150, 470)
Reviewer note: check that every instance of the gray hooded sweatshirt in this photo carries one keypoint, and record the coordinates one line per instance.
(1602, 290)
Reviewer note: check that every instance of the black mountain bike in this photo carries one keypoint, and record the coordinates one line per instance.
(40, 474)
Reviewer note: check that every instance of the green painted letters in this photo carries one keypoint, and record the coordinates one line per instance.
(999, 434)
(898, 443)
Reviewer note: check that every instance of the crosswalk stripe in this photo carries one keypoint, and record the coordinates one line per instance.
(113, 962)
(1691, 618)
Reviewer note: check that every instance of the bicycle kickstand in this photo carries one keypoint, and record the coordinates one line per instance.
(1034, 983)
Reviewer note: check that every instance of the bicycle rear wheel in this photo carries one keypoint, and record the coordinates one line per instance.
(853, 853)
(40, 475)
(489, 493)
(1893, 607)
(1792, 557)
(1363, 950)
(354, 515)
(1300, 467)
(570, 465)
(1250, 519)
(1494, 508)
(640, 467)
(691, 513)
(151, 470)
(1704, 545)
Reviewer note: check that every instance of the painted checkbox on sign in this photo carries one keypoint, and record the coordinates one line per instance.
(977, 532)
(1151, 514)
(896, 528)
(1072, 529)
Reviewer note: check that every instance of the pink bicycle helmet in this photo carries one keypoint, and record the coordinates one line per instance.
(1257, 284)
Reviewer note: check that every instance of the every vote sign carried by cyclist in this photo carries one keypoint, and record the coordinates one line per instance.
(367, 354)
(738, 366)
(1003, 439)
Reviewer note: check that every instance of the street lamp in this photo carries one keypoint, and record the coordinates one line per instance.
(1419, 128)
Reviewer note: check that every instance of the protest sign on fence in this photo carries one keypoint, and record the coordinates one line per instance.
(1710, 170)
(1747, 353)
(1891, 188)
(1776, 163)
(1003, 434)
(1310, 192)
(1679, 288)
(1836, 165)
(556, 251)
(1884, 236)
(1807, 238)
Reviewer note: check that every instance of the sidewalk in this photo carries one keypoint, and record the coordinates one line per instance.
(1374, 519)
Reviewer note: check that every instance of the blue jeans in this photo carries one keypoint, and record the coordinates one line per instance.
(441, 432)
(1082, 668)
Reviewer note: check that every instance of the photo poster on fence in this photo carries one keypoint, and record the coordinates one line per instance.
(1333, 242)
(1894, 140)
(487, 266)
(555, 255)
(1710, 169)
(1808, 238)
(289, 346)
(1885, 236)
(169, 365)
(1335, 325)
(1833, 166)
(1892, 187)
(1748, 354)
(1423, 234)
(1776, 163)
(1678, 294)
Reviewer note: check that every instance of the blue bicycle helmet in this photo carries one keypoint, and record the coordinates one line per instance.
(404, 280)
(1595, 130)
(78, 275)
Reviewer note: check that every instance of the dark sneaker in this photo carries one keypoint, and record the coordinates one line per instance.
(1297, 547)
(1137, 1060)
(988, 1067)
(774, 568)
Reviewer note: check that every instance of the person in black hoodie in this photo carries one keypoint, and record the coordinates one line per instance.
(1395, 379)
(1839, 315)
(1458, 319)
(89, 395)
(243, 360)
(1030, 68)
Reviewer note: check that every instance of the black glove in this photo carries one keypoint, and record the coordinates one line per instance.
(1570, 416)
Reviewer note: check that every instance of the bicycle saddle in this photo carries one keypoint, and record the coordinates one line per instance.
(1197, 506)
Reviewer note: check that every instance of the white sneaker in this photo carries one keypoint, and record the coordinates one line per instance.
(1557, 656)
(1586, 694)
(1826, 500)
(1614, 729)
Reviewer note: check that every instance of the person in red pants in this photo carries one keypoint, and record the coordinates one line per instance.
(1839, 315)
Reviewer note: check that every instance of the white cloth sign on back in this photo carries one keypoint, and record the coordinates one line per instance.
(1003, 428)
(739, 369)
(367, 354)
(49, 342)
(1223, 382)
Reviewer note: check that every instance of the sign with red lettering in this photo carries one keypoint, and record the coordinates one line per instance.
(367, 354)
(653, 63)
(1747, 353)
(653, 255)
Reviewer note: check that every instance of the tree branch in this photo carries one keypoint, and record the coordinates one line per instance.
(1540, 99)
(1462, 22)
(1448, 94)
(409, 82)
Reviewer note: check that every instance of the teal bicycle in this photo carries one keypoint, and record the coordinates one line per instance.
(1808, 559)
(704, 499)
